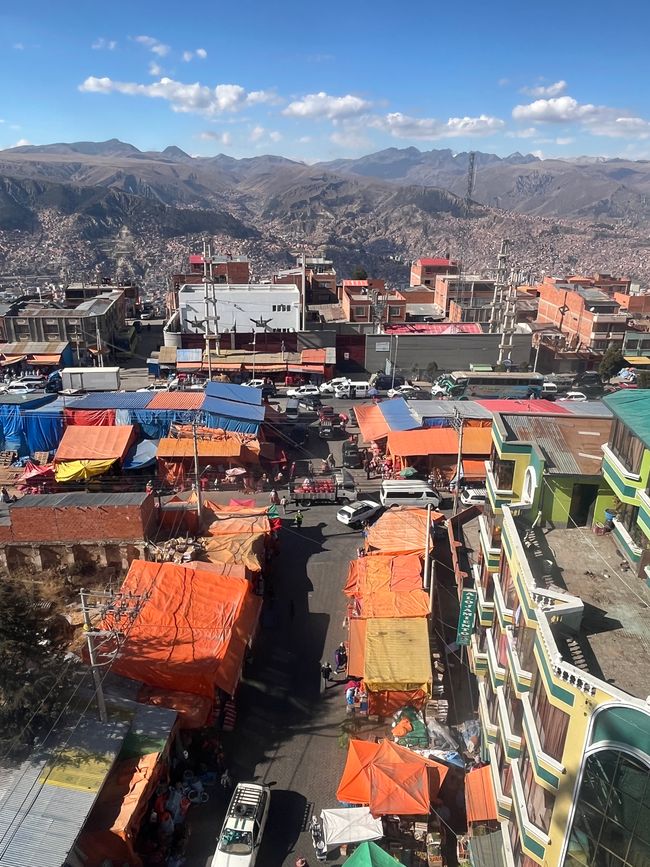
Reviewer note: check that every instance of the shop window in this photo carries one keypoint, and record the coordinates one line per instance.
(626, 446)
(611, 824)
(552, 723)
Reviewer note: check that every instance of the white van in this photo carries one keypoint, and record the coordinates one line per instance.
(408, 493)
(352, 389)
(243, 827)
(549, 389)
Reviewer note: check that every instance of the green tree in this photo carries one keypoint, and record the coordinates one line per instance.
(643, 379)
(33, 670)
(359, 273)
(611, 363)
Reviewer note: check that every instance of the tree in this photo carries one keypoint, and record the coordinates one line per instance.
(643, 379)
(33, 670)
(359, 273)
(611, 363)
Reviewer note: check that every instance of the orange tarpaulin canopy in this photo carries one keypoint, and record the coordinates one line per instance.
(191, 632)
(372, 424)
(170, 447)
(239, 523)
(354, 787)
(390, 778)
(379, 572)
(473, 470)
(357, 647)
(245, 549)
(95, 443)
(412, 603)
(400, 530)
(479, 796)
(193, 710)
(439, 441)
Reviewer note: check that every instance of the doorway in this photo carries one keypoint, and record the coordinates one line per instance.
(583, 498)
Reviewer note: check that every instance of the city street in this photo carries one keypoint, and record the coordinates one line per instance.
(288, 729)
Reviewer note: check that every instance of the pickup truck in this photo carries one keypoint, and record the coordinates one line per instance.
(335, 488)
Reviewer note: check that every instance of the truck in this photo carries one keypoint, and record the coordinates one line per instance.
(90, 379)
(336, 487)
(331, 425)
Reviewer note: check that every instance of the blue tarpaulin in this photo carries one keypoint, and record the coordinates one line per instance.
(235, 393)
(154, 424)
(238, 417)
(115, 400)
(398, 414)
(141, 455)
(12, 421)
(43, 425)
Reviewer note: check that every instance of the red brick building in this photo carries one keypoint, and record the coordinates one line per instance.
(424, 271)
(320, 279)
(358, 297)
(589, 318)
(225, 269)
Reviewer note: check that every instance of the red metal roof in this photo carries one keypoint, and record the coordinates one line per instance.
(176, 400)
(525, 407)
(355, 282)
(434, 328)
(196, 259)
(438, 263)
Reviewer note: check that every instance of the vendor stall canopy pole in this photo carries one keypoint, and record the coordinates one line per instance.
(427, 553)
(197, 478)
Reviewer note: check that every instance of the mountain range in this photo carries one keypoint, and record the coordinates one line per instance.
(379, 210)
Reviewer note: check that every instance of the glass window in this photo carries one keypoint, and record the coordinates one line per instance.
(504, 473)
(626, 446)
(611, 825)
(360, 311)
(552, 723)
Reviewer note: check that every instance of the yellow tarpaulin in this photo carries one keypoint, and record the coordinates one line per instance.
(397, 654)
(70, 471)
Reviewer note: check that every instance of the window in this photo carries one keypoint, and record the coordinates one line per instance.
(361, 312)
(507, 585)
(515, 708)
(552, 723)
(394, 311)
(504, 473)
(611, 824)
(626, 446)
(628, 516)
(523, 639)
(539, 802)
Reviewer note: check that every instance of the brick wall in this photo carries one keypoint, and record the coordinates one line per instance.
(74, 524)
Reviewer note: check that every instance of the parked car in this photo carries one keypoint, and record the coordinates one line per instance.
(384, 381)
(354, 514)
(243, 827)
(473, 496)
(17, 388)
(405, 391)
(330, 386)
(154, 386)
(311, 403)
(304, 391)
(32, 380)
(268, 389)
(574, 396)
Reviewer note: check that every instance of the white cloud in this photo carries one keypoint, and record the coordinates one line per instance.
(304, 139)
(594, 119)
(276, 136)
(564, 140)
(102, 44)
(201, 53)
(402, 126)
(21, 143)
(546, 90)
(529, 132)
(155, 69)
(322, 105)
(222, 137)
(154, 45)
(184, 98)
(19, 46)
(256, 133)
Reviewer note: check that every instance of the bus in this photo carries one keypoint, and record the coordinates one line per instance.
(470, 384)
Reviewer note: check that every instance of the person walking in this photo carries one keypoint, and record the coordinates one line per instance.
(298, 520)
(326, 672)
(274, 499)
(341, 657)
(283, 505)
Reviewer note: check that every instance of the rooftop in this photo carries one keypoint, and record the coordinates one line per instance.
(612, 640)
(436, 263)
(632, 407)
(78, 500)
(570, 445)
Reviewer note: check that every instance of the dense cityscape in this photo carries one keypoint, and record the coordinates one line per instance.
(325, 435)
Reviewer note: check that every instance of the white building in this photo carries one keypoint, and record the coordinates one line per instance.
(239, 307)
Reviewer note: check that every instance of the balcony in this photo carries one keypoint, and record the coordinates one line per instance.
(491, 552)
(485, 607)
(511, 741)
(521, 679)
(490, 729)
(477, 659)
(533, 840)
(547, 770)
(497, 673)
(505, 614)
(497, 495)
(504, 802)
(618, 468)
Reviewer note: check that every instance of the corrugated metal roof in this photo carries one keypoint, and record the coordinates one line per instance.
(236, 394)
(632, 406)
(33, 348)
(41, 817)
(232, 409)
(569, 446)
(423, 409)
(79, 499)
(186, 400)
(588, 408)
(486, 850)
(115, 400)
(58, 405)
(195, 355)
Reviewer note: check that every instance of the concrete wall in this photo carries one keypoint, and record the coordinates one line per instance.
(447, 351)
(237, 305)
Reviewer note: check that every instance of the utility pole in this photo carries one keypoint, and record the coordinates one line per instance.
(500, 284)
(304, 291)
(100, 354)
(90, 635)
(427, 552)
(206, 322)
(392, 384)
(457, 424)
(196, 470)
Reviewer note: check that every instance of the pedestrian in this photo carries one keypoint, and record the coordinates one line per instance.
(226, 782)
(341, 657)
(274, 498)
(367, 469)
(298, 519)
(283, 505)
(326, 671)
(331, 460)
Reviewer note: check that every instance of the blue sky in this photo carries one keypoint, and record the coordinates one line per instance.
(329, 80)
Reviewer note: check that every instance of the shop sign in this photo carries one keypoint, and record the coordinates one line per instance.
(466, 617)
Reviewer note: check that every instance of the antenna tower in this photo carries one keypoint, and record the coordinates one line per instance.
(500, 287)
(464, 237)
